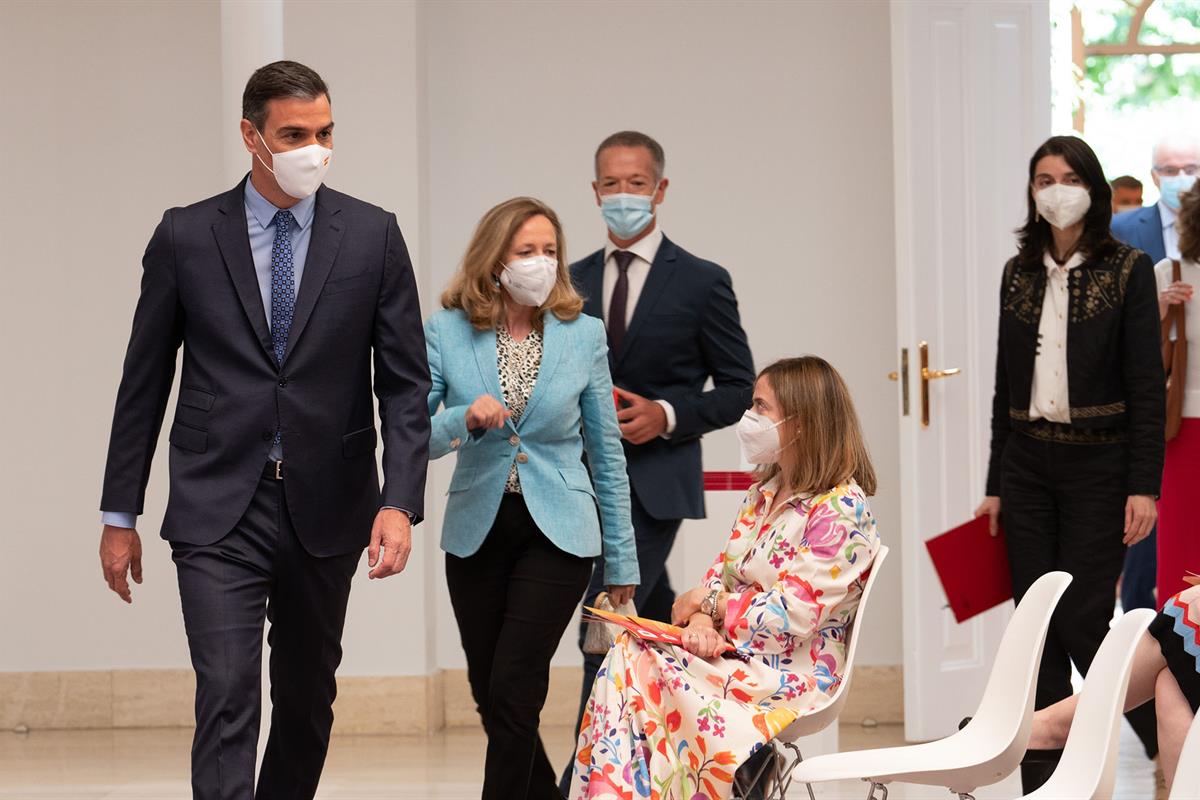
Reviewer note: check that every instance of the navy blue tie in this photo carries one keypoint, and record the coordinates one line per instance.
(283, 287)
(283, 284)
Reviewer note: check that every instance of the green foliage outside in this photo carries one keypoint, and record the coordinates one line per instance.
(1142, 80)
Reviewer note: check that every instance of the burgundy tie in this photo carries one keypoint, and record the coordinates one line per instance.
(620, 301)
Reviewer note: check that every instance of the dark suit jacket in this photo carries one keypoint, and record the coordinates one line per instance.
(357, 298)
(1141, 228)
(1114, 364)
(685, 330)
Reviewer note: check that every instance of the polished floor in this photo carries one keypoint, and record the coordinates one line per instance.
(153, 765)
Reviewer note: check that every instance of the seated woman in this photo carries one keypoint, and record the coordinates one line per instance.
(1166, 669)
(673, 722)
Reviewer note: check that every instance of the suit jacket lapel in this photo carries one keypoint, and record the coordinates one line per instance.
(233, 240)
(322, 252)
(552, 348)
(591, 285)
(660, 275)
(484, 345)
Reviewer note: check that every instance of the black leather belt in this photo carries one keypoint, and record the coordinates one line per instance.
(273, 470)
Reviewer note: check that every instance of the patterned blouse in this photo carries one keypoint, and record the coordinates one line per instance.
(518, 363)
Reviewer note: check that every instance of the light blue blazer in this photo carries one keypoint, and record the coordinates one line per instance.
(571, 410)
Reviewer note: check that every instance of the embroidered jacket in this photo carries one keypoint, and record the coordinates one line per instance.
(1114, 362)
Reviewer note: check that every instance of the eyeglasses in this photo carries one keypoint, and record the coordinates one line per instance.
(1171, 172)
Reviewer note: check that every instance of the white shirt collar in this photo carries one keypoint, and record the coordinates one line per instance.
(645, 248)
(1167, 213)
(1051, 265)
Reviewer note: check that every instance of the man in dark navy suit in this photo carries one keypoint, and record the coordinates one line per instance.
(291, 302)
(1174, 164)
(673, 325)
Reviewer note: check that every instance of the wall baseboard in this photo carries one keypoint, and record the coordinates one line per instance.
(396, 705)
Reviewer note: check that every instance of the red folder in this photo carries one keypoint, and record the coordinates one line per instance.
(973, 568)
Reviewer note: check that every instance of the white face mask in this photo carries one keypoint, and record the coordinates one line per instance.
(530, 280)
(1062, 205)
(759, 438)
(298, 172)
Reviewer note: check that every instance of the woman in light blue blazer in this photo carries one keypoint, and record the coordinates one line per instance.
(521, 391)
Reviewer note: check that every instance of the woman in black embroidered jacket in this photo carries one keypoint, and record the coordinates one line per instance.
(1078, 412)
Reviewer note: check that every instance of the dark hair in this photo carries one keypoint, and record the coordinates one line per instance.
(634, 139)
(1125, 182)
(1034, 237)
(276, 80)
(1189, 224)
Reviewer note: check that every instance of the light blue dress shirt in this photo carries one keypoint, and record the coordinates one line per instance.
(260, 224)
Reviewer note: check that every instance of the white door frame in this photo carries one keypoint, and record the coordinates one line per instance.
(971, 101)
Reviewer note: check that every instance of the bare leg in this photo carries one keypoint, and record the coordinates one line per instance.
(1052, 724)
(1174, 720)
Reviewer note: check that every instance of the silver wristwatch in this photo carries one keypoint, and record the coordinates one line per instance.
(708, 605)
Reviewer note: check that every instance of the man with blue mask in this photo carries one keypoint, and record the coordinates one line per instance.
(283, 293)
(673, 325)
(1175, 161)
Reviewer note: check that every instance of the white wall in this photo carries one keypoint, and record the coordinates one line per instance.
(776, 121)
(777, 125)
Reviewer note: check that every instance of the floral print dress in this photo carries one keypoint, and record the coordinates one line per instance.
(664, 724)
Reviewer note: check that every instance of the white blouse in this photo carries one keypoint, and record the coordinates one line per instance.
(1049, 398)
(1189, 273)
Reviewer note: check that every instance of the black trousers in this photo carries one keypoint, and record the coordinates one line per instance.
(513, 599)
(652, 599)
(260, 570)
(1063, 507)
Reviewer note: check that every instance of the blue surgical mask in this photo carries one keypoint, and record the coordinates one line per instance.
(1170, 189)
(626, 215)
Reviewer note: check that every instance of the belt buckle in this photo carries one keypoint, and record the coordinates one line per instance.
(279, 470)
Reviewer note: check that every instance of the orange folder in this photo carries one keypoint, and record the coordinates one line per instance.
(973, 568)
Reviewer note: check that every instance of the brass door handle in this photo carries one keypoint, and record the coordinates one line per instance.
(928, 375)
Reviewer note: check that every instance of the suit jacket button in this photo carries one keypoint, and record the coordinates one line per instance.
(522, 458)
(514, 440)
(454, 443)
(283, 382)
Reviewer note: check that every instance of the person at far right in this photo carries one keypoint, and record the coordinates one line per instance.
(1077, 415)
(1178, 525)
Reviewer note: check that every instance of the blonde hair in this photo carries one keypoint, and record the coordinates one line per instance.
(823, 444)
(474, 288)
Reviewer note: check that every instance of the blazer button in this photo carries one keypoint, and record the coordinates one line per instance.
(522, 458)
(514, 440)
(454, 443)
(283, 382)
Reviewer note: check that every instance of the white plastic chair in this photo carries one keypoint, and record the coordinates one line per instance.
(1088, 768)
(1186, 783)
(815, 723)
(991, 746)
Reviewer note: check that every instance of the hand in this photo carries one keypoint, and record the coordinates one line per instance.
(687, 604)
(991, 507)
(701, 638)
(1140, 514)
(620, 595)
(120, 552)
(391, 534)
(641, 419)
(486, 412)
(1177, 292)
